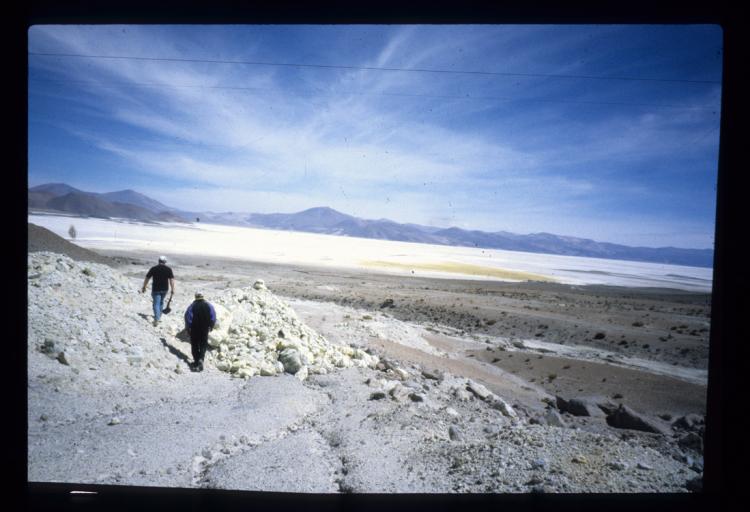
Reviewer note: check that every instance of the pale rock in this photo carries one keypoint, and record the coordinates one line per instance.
(478, 390)
(246, 373)
(267, 370)
(452, 412)
(462, 395)
(302, 373)
(401, 373)
(397, 392)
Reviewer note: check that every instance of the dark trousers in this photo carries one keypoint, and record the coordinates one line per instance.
(198, 343)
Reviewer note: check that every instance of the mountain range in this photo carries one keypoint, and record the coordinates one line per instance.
(58, 197)
(127, 204)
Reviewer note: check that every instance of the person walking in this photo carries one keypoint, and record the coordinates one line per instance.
(163, 282)
(200, 317)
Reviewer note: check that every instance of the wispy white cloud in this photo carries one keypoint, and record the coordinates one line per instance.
(294, 138)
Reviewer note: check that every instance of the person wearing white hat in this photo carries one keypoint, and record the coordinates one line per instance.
(163, 282)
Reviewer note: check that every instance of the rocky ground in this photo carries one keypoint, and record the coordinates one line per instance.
(378, 384)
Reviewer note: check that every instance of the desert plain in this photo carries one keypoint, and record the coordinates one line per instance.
(426, 369)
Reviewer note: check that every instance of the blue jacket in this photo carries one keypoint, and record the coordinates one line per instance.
(201, 313)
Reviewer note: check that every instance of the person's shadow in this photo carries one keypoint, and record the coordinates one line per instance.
(182, 336)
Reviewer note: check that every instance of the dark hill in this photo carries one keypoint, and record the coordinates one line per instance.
(42, 239)
(94, 205)
(137, 199)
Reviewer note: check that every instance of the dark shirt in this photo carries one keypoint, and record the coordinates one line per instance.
(161, 274)
(200, 315)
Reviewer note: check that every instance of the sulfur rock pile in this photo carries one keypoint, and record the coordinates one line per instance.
(258, 334)
(89, 316)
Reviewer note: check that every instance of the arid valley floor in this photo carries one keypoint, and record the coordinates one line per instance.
(479, 386)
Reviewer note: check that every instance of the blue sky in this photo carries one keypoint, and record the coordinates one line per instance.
(605, 132)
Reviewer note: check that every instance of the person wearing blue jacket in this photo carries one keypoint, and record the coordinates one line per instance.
(200, 318)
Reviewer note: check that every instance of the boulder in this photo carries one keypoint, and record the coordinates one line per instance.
(462, 395)
(455, 433)
(302, 373)
(267, 370)
(688, 422)
(502, 406)
(388, 303)
(221, 330)
(398, 392)
(624, 417)
(433, 374)
(585, 406)
(554, 419)
(691, 440)
(48, 347)
(291, 360)
(400, 373)
(478, 390)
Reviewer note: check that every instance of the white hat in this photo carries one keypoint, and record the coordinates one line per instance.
(162, 259)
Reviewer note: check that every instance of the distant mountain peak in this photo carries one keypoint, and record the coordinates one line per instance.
(320, 209)
(55, 188)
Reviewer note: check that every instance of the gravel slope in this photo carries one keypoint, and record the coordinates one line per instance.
(118, 406)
